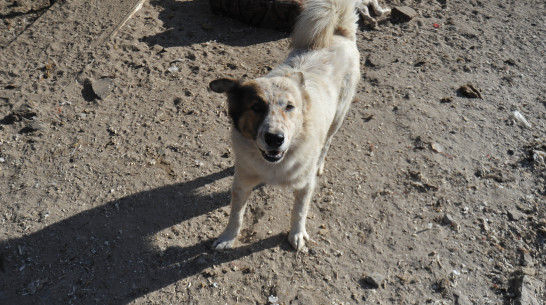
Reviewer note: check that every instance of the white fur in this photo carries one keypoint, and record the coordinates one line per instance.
(319, 78)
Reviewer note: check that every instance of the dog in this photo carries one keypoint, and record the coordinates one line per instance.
(362, 6)
(283, 122)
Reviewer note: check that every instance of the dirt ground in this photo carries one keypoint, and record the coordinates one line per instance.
(115, 160)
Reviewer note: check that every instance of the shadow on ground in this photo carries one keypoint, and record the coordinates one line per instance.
(191, 22)
(105, 255)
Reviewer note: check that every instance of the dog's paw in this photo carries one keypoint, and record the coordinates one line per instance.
(223, 244)
(298, 239)
(383, 12)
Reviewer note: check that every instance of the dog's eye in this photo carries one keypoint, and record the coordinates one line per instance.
(289, 108)
(257, 108)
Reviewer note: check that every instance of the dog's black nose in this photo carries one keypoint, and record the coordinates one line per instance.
(274, 140)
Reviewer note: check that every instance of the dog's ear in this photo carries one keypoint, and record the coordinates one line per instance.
(298, 78)
(222, 85)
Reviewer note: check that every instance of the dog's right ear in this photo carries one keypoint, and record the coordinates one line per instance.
(223, 85)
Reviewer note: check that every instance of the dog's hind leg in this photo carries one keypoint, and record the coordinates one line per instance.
(240, 191)
(323, 155)
(365, 13)
(336, 124)
(302, 197)
(378, 10)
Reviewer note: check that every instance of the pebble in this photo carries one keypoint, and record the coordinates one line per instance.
(469, 91)
(526, 259)
(102, 87)
(403, 13)
(525, 289)
(515, 215)
(485, 224)
(461, 299)
(272, 299)
(437, 147)
(448, 219)
(375, 280)
(32, 127)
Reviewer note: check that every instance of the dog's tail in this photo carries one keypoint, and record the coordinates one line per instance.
(320, 20)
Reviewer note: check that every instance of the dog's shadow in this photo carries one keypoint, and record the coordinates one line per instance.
(106, 255)
(192, 22)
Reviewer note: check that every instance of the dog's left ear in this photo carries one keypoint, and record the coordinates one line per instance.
(222, 85)
(298, 77)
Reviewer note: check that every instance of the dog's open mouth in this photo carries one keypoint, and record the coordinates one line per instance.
(273, 156)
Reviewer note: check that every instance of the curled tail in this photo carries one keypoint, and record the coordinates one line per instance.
(320, 20)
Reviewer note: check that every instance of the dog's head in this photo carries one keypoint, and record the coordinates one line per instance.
(268, 111)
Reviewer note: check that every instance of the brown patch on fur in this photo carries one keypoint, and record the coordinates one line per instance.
(306, 104)
(247, 108)
(341, 31)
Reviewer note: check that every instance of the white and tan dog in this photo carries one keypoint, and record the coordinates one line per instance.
(284, 122)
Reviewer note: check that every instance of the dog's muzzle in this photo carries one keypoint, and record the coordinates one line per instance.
(274, 141)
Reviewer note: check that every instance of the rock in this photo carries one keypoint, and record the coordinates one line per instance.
(528, 271)
(24, 112)
(33, 126)
(403, 13)
(448, 219)
(515, 215)
(461, 299)
(526, 259)
(525, 290)
(375, 280)
(469, 91)
(437, 147)
(102, 87)
(272, 299)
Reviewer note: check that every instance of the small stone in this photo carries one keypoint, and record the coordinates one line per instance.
(437, 147)
(272, 299)
(158, 49)
(403, 13)
(485, 224)
(375, 280)
(469, 91)
(448, 219)
(461, 299)
(526, 259)
(32, 127)
(173, 68)
(515, 215)
(528, 271)
(525, 289)
(323, 232)
(102, 87)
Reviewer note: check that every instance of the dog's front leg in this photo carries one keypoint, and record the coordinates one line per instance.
(302, 197)
(240, 191)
